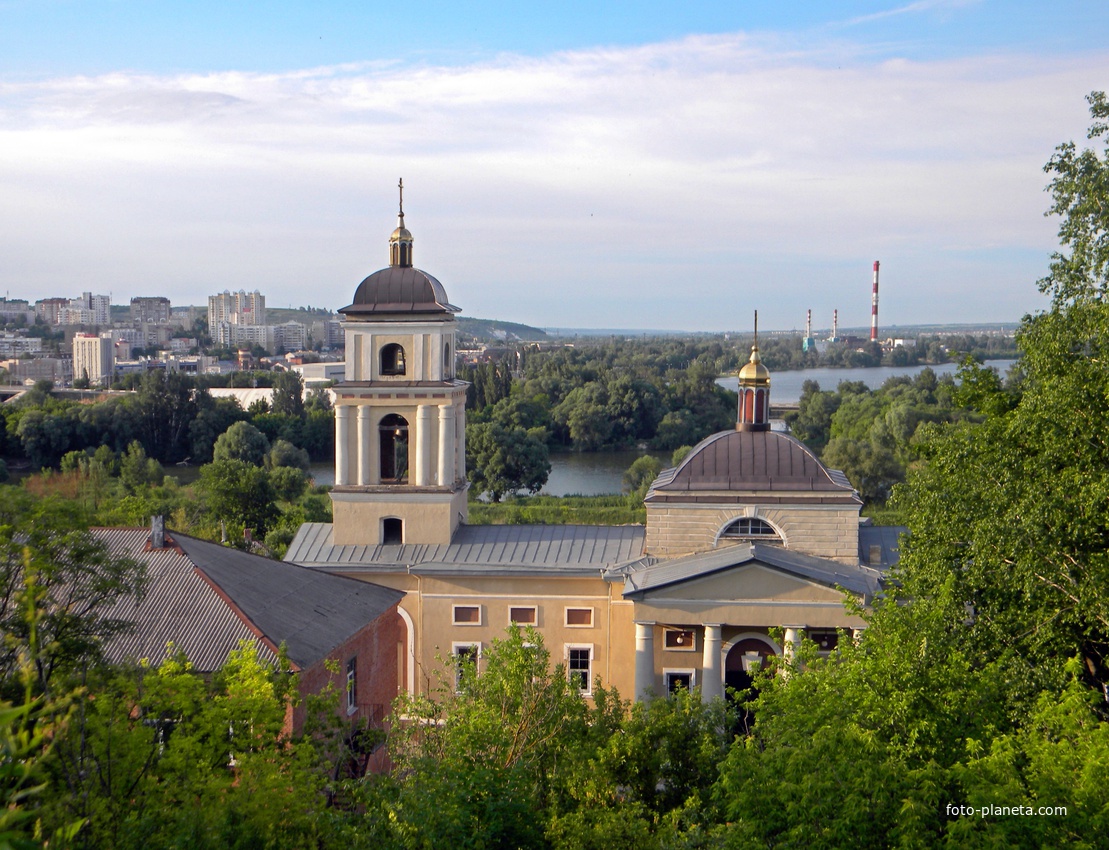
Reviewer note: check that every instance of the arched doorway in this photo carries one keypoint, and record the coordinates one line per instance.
(393, 431)
(747, 655)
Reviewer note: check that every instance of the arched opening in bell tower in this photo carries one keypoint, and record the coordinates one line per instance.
(393, 431)
(392, 360)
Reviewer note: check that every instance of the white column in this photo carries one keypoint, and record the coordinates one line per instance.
(644, 659)
(460, 442)
(425, 415)
(712, 673)
(790, 643)
(342, 430)
(373, 451)
(364, 444)
(446, 447)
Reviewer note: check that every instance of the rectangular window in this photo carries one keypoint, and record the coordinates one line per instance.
(579, 667)
(523, 615)
(678, 680)
(682, 640)
(581, 618)
(465, 663)
(467, 615)
(825, 639)
(352, 685)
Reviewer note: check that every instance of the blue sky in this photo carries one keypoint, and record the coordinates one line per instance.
(638, 165)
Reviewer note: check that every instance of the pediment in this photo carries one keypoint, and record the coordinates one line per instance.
(746, 582)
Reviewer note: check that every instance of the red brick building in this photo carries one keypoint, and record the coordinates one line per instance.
(205, 599)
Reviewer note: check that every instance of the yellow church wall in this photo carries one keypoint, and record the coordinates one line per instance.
(430, 517)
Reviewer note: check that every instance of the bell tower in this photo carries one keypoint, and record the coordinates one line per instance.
(400, 413)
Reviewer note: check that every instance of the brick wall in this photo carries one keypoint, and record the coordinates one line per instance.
(378, 647)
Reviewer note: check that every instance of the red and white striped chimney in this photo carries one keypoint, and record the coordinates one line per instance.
(874, 307)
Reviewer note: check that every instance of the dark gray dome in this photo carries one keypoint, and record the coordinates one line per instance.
(399, 289)
(752, 461)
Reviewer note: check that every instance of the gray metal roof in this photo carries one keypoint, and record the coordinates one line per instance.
(399, 289)
(651, 576)
(745, 461)
(515, 549)
(205, 598)
(888, 540)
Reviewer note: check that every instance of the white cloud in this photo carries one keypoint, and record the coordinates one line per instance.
(661, 181)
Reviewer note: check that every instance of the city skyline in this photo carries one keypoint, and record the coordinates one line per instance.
(629, 167)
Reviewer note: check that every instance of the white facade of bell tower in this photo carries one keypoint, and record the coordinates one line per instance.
(400, 413)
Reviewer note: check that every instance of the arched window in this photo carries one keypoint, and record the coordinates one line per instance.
(392, 360)
(392, 531)
(393, 432)
(750, 528)
(448, 372)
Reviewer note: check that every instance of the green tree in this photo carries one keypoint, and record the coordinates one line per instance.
(288, 394)
(78, 581)
(503, 460)
(285, 453)
(479, 761)
(240, 493)
(137, 471)
(162, 757)
(242, 441)
(165, 408)
(637, 478)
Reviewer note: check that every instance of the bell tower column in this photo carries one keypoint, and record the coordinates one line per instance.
(446, 445)
(365, 452)
(425, 415)
(342, 435)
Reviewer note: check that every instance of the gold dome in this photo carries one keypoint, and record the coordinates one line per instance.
(753, 372)
(401, 234)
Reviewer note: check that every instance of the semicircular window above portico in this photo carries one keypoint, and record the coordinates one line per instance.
(750, 528)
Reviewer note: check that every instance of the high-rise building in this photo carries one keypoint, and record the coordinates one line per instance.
(94, 358)
(99, 307)
(154, 310)
(236, 308)
(49, 309)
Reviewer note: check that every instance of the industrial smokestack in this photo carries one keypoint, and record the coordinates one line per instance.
(874, 307)
(835, 324)
(808, 325)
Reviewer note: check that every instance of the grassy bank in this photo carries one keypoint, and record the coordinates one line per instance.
(557, 510)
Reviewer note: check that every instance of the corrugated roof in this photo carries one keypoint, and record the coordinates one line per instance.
(311, 613)
(859, 580)
(517, 549)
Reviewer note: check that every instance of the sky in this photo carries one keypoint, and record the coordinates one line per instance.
(646, 165)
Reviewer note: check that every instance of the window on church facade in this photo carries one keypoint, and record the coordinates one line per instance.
(580, 618)
(579, 667)
(750, 528)
(465, 663)
(466, 615)
(524, 615)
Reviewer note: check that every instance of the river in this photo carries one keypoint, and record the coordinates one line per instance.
(785, 387)
(600, 473)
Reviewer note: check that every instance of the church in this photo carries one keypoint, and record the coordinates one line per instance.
(749, 538)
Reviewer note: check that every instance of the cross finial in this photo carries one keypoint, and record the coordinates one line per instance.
(756, 328)
(400, 185)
